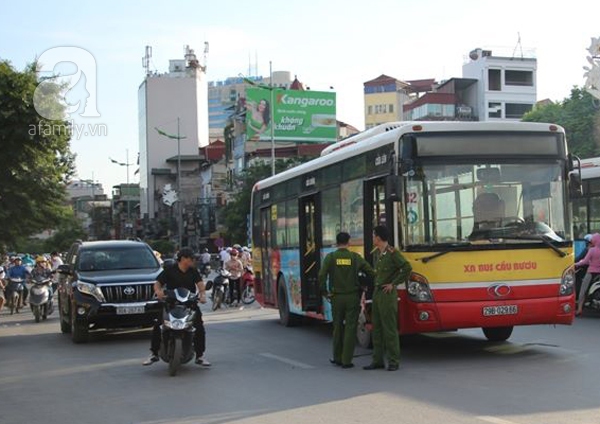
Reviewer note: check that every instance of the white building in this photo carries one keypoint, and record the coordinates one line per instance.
(176, 103)
(506, 85)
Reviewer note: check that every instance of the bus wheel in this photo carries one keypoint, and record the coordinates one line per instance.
(497, 334)
(286, 318)
(363, 332)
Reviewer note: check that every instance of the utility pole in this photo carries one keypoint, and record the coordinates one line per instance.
(177, 137)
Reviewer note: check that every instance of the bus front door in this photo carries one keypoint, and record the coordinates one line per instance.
(375, 212)
(310, 253)
(266, 252)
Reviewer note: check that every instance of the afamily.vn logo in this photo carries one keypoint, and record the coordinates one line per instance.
(75, 69)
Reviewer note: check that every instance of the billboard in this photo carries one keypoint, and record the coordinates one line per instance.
(302, 116)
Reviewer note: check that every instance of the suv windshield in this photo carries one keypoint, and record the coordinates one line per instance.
(486, 202)
(116, 258)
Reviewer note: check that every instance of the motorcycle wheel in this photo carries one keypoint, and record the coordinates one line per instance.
(36, 313)
(248, 295)
(217, 301)
(175, 359)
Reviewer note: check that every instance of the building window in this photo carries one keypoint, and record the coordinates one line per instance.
(369, 110)
(494, 80)
(495, 110)
(519, 78)
(390, 108)
(517, 110)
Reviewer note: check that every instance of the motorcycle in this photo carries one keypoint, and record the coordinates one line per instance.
(14, 294)
(219, 288)
(40, 298)
(592, 297)
(177, 330)
(247, 286)
(204, 270)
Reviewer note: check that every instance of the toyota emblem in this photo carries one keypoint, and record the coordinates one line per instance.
(499, 290)
(129, 291)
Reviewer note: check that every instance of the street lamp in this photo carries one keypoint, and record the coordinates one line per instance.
(177, 137)
(126, 164)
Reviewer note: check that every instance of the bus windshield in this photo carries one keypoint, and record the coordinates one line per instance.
(491, 203)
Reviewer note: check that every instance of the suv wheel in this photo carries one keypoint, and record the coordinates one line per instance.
(65, 325)
(79, 328)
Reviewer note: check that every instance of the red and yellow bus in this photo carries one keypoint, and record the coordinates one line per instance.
(481, 210)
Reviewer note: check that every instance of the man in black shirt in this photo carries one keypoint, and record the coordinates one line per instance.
(183, 274)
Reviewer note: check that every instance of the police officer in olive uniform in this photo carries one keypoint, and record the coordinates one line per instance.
(342, 268)
(391, 269)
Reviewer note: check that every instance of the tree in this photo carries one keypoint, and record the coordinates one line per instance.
(68, 230)
(578, 116)
(37, 160)
(236, 211)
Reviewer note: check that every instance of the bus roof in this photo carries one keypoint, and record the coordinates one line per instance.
(390, 132)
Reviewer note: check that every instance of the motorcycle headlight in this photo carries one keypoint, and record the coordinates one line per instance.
(176, 324)
(91, 290)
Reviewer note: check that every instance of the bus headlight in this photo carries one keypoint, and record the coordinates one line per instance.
(418, 288)
(567, 282)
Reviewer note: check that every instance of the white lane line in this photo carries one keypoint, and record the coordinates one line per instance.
(287, 361)
(495, 420)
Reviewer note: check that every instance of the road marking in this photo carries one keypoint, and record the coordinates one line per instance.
(287, 361)
(495, 420)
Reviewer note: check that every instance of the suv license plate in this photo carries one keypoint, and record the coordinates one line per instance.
(126, 310)
(490, 311)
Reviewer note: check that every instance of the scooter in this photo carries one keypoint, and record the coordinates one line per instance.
(592, 297)
(204, 270)
(219, 287)
(40, 298)
(177, 330)
(14, 294)
(247, 286)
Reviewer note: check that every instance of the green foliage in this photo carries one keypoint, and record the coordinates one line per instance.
(237, 210)
(68, 230)
(578, 116)
(165, 247)
(37, 160)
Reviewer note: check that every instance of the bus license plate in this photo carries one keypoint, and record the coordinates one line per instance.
(490, 311)
(127, 310)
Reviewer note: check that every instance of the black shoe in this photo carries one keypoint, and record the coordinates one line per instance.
(334, 362)
(346, 366)
(151, 359)
(392, 367)
(374, 367)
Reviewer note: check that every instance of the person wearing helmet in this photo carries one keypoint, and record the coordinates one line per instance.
(19, 271)
(205, 257)
(245, 257)
(42, 271)
(592, 260)
(236, 268)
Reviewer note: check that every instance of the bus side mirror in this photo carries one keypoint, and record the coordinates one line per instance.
(575, 187)
(393, 188)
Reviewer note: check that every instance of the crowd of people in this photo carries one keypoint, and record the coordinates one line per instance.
(26, 267)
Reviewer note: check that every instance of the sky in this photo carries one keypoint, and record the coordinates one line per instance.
(339, 43)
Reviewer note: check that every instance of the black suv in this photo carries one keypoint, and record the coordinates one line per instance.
(107, 284)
